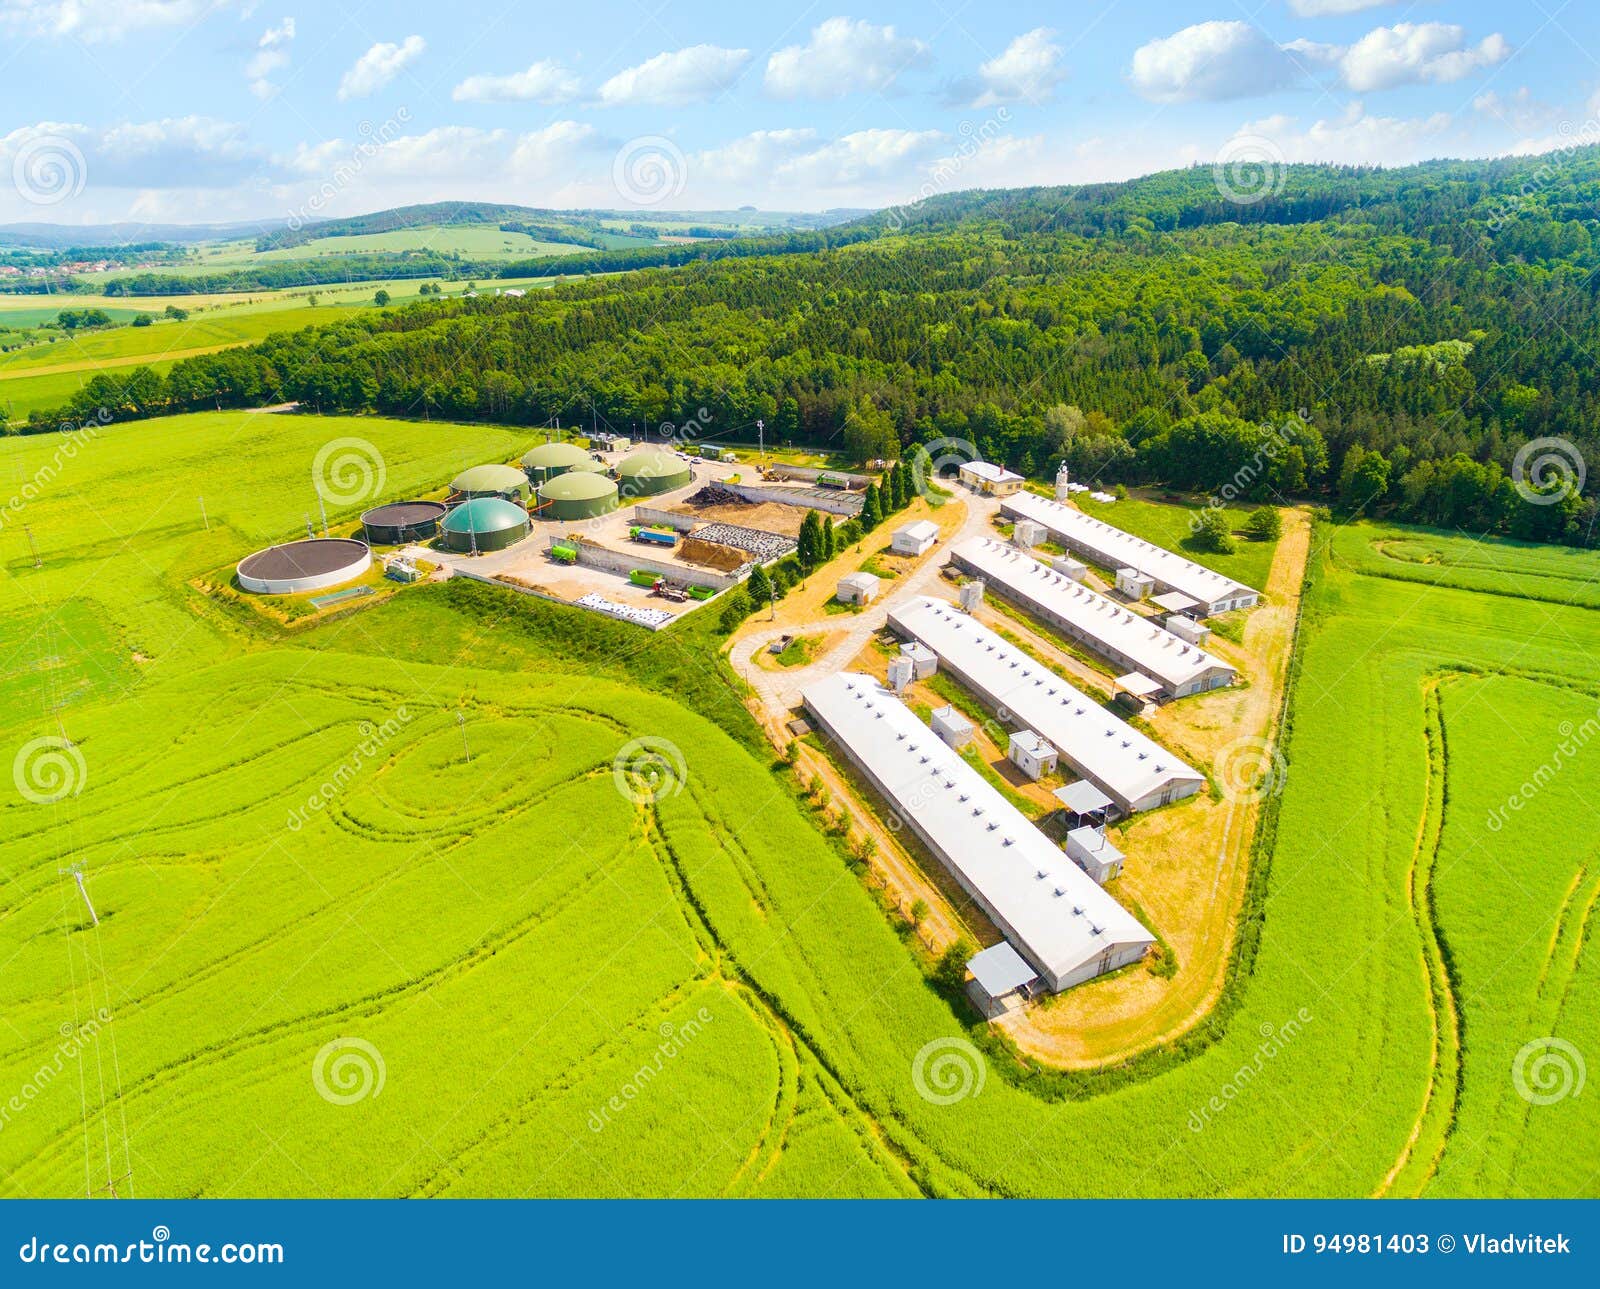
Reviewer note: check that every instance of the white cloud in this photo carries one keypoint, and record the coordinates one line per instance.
(672, 79)
(864, 157)
(544, 82)
(1332, 8)
(1354, 137)
(1211, 61)
(99, 20)
(1417, 53)
(271, 57)
(1520, 109)
(753, 158)
(844, 56)
(194, 152)
(542, 151)
(380, 65)
(1028, 70)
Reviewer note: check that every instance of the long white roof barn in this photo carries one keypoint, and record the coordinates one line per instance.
(1108, 628)
(1050, 910)
(1128, 766)
(1112, 548)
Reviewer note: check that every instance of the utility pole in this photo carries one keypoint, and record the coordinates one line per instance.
(461, 720)
(324, 512)
(310, 531)
(761, 438)
(204, 518)
(33, 546)
(76, 873)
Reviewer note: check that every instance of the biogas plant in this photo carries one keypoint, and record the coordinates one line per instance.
(641, 532)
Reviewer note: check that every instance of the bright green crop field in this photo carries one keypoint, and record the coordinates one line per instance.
(515, 975)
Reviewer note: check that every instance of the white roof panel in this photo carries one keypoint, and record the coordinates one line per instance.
(1000, 969)
(1108, 751)
(1115, 548)
(1150, 647)
(1055, 914)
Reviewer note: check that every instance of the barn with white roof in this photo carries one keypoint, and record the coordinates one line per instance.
(1052, 912)
(1131, 768)
(1113, 548)
(1114, 632)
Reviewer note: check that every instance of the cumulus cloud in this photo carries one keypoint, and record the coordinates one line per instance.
(380, 65)
(1412, 53)
(545, 81)
(843, 56)
(673, 79)
(100, 20)
(753, 158)
(862, 157)
(271, 57)
(1028, 70)
(1211, 61)
(187, 152)
(1520, 109)
(1354, 137)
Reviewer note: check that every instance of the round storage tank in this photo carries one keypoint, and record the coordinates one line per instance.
(485, 524)
(548, 460)
(651, 471)
(578, 494)
(311, 565)
(491, 481)
(402, 521)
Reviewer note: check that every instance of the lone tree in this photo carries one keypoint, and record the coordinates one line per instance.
(1213, 534)
(1265, 524)
(380, 298)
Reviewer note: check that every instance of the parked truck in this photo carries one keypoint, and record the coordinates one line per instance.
(653, 536)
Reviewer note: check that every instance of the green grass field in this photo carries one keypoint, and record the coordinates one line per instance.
(1169, 524)
(567, 990)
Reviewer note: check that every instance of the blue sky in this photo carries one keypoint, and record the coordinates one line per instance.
(187, 110)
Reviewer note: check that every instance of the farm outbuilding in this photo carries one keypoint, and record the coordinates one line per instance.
(491, 481)
(550, 459)
(1033, 755)
(485, 524)
(311, 565)
(651, 471)
(1111, 547)
(1125, 764)
(993, 480)
(400, 522)
(1053, 915)
(914, 538)
(1103, 624)
(1091, 851)
(857, 588)
(951, 726)
(577, 494)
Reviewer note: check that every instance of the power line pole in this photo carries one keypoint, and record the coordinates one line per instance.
(761, 438)
(76, 873)
(204, 518)
(461, 720)
(33, 546)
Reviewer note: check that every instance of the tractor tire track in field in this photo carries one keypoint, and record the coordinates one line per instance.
(902, 1143)
(372, 1004)
(1441, 1099)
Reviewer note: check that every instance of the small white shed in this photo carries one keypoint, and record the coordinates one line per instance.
(1187, 629)
(952, 727)
(1134, 584)
(1002, 979)
(1077, 570)
(1031, 754)
(857, 588)
(915, 538)
(1091, 850)
(1028, 533)
(924, 661)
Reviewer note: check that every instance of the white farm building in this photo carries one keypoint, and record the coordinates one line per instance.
(916, 538)
(1053, 913)
(1131, 768)
(1114, 632)
(1110, 547)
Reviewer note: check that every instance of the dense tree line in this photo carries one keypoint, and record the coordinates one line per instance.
(1354, 349)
